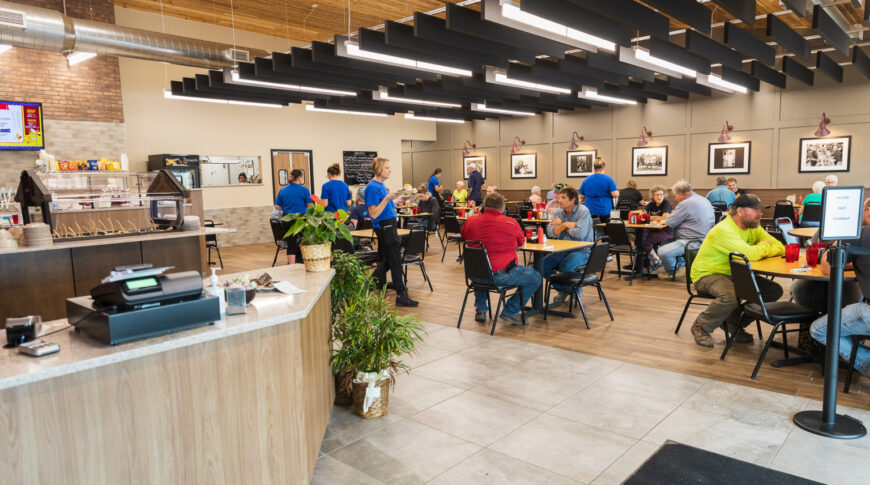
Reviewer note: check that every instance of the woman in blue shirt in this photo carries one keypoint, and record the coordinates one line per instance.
(435, 185)
(294, 198)
(382, 211)
(335, 194)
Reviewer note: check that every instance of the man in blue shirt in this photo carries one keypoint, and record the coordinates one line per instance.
(335, 193)
(358, 212)
(434, 187)
(721, 193)
(571, 221)
(475, 183)
(293, 198)
(692, 218)
(598, 191)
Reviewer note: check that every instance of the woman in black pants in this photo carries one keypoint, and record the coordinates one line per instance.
(382, 211)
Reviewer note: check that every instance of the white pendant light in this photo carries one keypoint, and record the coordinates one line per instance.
(716, 82)
(496, 76)
(510, 14)
(412, 116)
(236, 79)
(383, 95)
(350, 49)
(642, 58)
(311, 107)
(592, 94)
(4, 48)
(74, 58)
(489, 109)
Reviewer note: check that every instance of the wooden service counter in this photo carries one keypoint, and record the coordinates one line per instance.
(246, 400)
(39, 280)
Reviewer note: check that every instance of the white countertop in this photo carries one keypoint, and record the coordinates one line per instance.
(78, 352)
(150, 236)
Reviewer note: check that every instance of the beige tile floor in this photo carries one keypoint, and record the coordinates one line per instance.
(476, 409)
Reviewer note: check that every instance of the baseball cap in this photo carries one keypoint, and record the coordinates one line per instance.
(559, 187)
(750, 201)
(360, 192)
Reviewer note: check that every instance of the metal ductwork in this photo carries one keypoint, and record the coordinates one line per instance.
(49, 30)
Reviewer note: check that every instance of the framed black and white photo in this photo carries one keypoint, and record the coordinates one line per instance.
(725, 158)
(649, 161)
(825, 154)
(524, 165)
(580, 162)
(480, 162)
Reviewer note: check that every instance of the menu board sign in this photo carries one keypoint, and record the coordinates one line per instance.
(358, 167)
(21, 126)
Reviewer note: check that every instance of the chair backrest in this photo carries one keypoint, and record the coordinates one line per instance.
(342, 244)
(451, 225)
(745, 286)
(812, 213)
(476, 262)
(689, 254)
(616, 231)
(364, 224)
(785, 224)
(776, 233)
(416, 244)
(597, 258)
(783, 208)
(719, 205)
(209, 238)
(278, 230)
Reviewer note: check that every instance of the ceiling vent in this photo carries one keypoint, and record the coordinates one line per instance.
(12, 18)
(239, 55)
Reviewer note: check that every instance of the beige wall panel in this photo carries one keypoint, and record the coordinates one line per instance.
(620, 170)
(659, 117)
(594, 123)
(423, 163)
(444, 138)
(407, 168)
(752, 110)
(406, 146)
(789, 146)
(806, 104)
(544, 171)
(483, 133)
(560, 163)
(760, 162)
(532, 129)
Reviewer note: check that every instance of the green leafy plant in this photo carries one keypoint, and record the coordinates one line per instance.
(351, 275)
(318, 225)
(373, 335)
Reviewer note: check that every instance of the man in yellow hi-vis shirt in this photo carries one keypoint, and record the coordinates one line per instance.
(711, 270)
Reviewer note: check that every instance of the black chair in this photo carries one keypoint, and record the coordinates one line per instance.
(689, 255)
(477, 266)
(621, 244)
(812, 214)
(367, 257)
(783, 208)
(624, 207)
(452, 233)
(776, 232)
(414, 253)
(578, 279)
(211, 243)
(719, 206)
(364, 224)
(784, 224)
(857, 341)
(778, 314)
(278, 231)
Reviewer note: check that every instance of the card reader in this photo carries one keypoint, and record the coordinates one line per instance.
(149, 290)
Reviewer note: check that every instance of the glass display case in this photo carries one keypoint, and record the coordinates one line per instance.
(76, 191)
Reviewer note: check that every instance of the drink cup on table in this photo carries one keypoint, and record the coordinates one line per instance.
(812, 256)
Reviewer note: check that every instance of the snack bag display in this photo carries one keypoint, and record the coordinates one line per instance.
(63, 165)
(93, 165)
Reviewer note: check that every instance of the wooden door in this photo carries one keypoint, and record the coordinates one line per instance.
(283, 161)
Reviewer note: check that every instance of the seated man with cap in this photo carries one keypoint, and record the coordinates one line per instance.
(571, 221)
(711, 270)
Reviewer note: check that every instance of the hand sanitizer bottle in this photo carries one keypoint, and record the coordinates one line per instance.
(215, 289)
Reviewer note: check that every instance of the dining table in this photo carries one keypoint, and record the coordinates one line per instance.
(370, 233)
(539, 252)
(803, 232)
(638, 242)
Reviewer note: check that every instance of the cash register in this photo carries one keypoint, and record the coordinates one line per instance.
(140, 301)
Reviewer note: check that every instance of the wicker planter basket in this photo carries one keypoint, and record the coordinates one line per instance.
(317, 257)
(374, 406)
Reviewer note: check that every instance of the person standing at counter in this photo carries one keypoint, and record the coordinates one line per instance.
(294, 198)
(434, 187)
(335, 194)
(475, 183)
(382, 211)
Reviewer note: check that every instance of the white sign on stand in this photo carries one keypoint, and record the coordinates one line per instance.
(842, 208)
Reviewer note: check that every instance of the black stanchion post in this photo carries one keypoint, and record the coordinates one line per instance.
(827, 422)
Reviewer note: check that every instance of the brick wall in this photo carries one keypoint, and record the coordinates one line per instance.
(251, 224)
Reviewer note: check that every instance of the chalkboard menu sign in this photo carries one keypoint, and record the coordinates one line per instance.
(358, 167)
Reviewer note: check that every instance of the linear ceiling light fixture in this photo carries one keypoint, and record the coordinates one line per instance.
(74, 58)
(592, 94)
(311, 107)
(4, 48)
(575, 137)
(167, 94)
(412, 116)
(489, 109)
(511, 10)
(641, 58)
(496, 76)
(716, 82)
(383, 95)
(350, 49)
(236, 79)
(465, 151)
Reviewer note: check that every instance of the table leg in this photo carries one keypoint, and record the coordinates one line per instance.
(538, 299)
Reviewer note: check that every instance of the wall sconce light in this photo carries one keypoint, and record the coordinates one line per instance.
(74, 58)
(642, 141)
(575, 137)
(823, 126)
(725, 130)
(515, 148)
(465, 151)
(4, 48)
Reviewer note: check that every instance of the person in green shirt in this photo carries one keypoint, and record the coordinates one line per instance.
(711, 269)
(814, 198)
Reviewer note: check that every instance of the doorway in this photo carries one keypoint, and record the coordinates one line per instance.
(283, 161)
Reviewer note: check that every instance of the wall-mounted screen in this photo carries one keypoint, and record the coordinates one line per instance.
(21, 126)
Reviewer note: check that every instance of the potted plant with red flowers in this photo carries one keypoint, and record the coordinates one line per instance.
(319, 228)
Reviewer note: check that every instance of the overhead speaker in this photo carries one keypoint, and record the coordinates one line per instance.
(796, 70)
(827, 27)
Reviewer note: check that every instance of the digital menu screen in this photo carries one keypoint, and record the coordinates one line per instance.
(21, 126)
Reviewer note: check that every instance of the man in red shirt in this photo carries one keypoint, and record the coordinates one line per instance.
(501, 236)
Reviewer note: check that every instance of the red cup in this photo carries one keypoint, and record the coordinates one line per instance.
(528, 233)
(461, 212)
(15, 218)
(812, 256)
(529, 215)
(416, 210)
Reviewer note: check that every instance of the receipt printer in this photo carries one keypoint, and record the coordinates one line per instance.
(149, 290)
